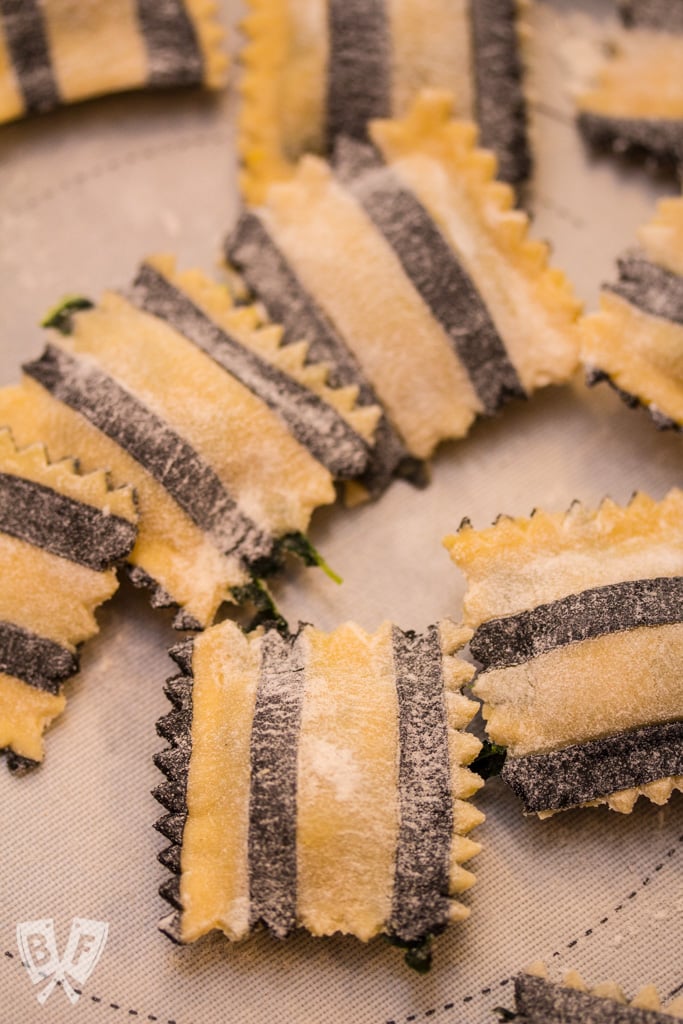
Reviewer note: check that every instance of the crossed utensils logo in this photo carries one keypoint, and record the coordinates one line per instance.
(38, 948)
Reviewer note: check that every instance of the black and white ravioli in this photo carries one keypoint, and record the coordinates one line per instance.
(61, 536)
(578, 626)
(635, 340)
(55, 51)
(635, 103)
(318, 780)
(318, 69)
(406, 266)
(541, 1001)
(229, 440)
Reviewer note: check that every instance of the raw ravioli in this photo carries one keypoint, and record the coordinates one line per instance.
(57, 51)
(317, 69)
(636, 101)
(635, 341)
(405, 266)
(61, 536)
(318, 780)
(578, 623)
(229, 441)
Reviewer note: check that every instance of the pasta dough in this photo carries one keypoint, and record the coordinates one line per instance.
(413, 274)
(318, 780)
(61, 536)
(578, 625)
(635, 340)
(229, 441)
(636, 101)
(540, 1001)
(318, 69)
(61, 51)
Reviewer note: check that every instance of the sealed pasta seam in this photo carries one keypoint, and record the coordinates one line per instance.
(429, 130)
(538, 1000)
(211, 37)
(175, 728)
(260, 142)
(265, 339)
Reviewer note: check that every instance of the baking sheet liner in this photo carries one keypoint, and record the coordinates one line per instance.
(85, 193)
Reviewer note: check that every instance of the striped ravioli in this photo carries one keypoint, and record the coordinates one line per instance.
(318, 780)
(578, 625)
(666, 15)
(407, 266)
(540, 1001)
(318, 69)
(229, 441)
(636, 101)
(61, 534)
(635, 341)
(56, 51)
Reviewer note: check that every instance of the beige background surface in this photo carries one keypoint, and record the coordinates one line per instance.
(85, 193)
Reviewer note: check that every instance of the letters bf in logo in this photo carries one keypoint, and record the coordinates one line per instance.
(38, 949)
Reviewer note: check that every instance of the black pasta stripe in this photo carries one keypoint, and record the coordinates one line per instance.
(660, 137)
(359, 67)
(160, 598)
(59, 524)
(163, 453)
(648, 286)
(538, 1001)
(273, 788)
(34, 659)
(660, 420)
(434, 271)
(499, 94)
(174, 762)
(251, 249)
(420, 903)
(17, 763)
(666, 15)
(24, 28)
(586, 771)
(174, 56)
(314, 423)
(501, 643)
